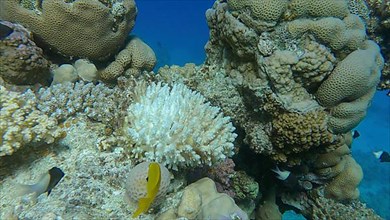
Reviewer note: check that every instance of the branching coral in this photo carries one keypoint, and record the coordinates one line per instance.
(177, 127)
(21, 123)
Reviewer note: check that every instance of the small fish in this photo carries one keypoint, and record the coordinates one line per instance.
(288, 179)
(5, 31)
(152, 187)
(45, 184)
(355, 134)
(383, 156)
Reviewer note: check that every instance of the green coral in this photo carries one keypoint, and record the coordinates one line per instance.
(244, 186)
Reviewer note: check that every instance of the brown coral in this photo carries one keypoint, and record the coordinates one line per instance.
(83, 28)
(134, 58)
(344, 186)
(21, 61)
(294, 133)
(323, 208)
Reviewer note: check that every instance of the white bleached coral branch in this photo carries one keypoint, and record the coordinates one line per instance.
(178, 128)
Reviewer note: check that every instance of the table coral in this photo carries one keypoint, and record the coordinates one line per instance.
(83, 28)
(22, 61)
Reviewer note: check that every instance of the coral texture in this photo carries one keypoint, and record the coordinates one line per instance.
(213, 205)
(315, 8)
(21, 61)
(21, 123)
(339, 34)
(353, 77)
(268, 10)
(98, 102)
(137, 56)
(294, 133)
(83, 28)
(176, 127)
(344, 186)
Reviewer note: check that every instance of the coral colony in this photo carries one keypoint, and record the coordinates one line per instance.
(263, 126)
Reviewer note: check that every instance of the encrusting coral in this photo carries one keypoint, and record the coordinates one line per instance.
(22, 61)
(177, 127)
(82, 28)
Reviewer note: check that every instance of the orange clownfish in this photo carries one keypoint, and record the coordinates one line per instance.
(152, 186)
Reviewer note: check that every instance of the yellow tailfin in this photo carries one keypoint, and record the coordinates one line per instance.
(152, 186)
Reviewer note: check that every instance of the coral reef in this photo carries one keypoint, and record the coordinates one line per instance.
(83, 28)
(22, 61)
(182, 130)
(344, 185)
(353, 77)
(295, 84)
(295, 77)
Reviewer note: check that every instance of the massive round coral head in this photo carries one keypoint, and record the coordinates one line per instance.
(84, 28)
(178, 128)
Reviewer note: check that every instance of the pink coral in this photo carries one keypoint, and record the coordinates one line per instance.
(221, 173)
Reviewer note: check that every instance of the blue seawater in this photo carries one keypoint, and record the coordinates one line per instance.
(177, 31)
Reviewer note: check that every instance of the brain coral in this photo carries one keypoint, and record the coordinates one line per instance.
(353, 77)
(319, 8)
(137, 181)
(268, 10)
(347, 115)
(176, 127)
(21, 61)
(82, 28)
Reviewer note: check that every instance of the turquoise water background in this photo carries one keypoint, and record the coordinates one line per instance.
(177, 31)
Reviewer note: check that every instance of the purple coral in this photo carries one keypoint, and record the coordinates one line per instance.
(221, 173)
(21, 61)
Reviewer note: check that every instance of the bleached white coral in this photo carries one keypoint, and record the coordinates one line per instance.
(178, 128)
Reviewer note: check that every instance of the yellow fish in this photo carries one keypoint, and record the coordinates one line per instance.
(152, 186)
